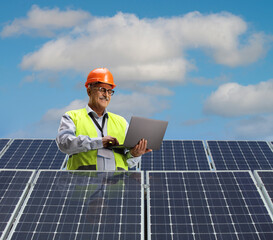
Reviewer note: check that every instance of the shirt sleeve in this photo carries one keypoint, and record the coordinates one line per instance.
(132, 161)
(69, 143)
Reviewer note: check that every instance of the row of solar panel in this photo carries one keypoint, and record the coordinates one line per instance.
(173, 155)
(50, 204)
(219, 155)
(30, 154)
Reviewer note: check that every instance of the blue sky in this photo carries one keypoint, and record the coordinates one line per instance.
(205, 66)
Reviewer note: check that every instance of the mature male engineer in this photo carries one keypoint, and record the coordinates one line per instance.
(86, 134)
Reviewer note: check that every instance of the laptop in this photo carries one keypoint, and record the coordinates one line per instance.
(150, 129)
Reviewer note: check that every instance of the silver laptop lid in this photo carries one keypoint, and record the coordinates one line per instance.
(150, 129)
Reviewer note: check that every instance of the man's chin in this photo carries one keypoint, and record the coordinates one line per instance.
(104, 103)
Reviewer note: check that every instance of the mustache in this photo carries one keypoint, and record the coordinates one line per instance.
(105, 98)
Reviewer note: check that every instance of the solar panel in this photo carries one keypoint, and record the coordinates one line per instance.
(177, 155)
(3, 143)
(83, 205)
(32, 154)
(241, 155)
(265, 182)
(13, 186)
(206, 205)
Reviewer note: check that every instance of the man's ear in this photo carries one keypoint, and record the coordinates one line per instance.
(88, 91)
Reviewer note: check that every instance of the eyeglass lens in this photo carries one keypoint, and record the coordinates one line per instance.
(110, 91)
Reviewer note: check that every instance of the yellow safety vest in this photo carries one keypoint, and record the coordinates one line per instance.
(116, 127)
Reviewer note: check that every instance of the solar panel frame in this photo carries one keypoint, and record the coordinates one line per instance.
(39, 227)
(194, 233)
(228, 161)
(22, 154)
(4, 143)
(183, 157)
(133, 169)
(271, 145)
(266, 189)
(20, 200)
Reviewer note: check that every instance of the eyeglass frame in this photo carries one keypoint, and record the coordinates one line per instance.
(103, 89)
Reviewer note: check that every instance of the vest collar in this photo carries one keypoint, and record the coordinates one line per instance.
(90, 110)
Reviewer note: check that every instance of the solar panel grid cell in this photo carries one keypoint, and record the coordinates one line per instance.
(83, 205)
(177, 155)
(32, 154)
(241, 155)
(12, 186)
(206, 205)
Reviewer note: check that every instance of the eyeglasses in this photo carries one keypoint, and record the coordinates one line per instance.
(104, 90)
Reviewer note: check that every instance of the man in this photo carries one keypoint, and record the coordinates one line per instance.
(86, 134)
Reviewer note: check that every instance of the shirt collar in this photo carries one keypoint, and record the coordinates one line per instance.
(90, 110)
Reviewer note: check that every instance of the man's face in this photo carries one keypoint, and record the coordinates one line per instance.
(98, 99)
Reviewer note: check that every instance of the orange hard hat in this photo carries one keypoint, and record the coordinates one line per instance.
(102, 75)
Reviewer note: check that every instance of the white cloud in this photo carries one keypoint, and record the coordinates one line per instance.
(55, 114)
(257, 127)
(233, 99)
(219, 35)
(44, 22)
(254, 49)
(148, 49)
(170, 70)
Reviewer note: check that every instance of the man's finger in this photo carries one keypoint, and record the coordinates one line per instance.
(116, 141)
(113, 141)
(109, 141)
(143, 145)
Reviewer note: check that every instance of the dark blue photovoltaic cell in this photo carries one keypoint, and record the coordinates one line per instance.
(83, 205)
(267, 179)
(3, 143)
(206, 205)
(177, 155)
(241, 155)
(32, 154)
(12, 186)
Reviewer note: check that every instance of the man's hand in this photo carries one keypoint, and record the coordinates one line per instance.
(140, 149)
(109, 141)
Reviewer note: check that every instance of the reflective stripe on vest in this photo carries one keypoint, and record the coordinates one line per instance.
(116, 127)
